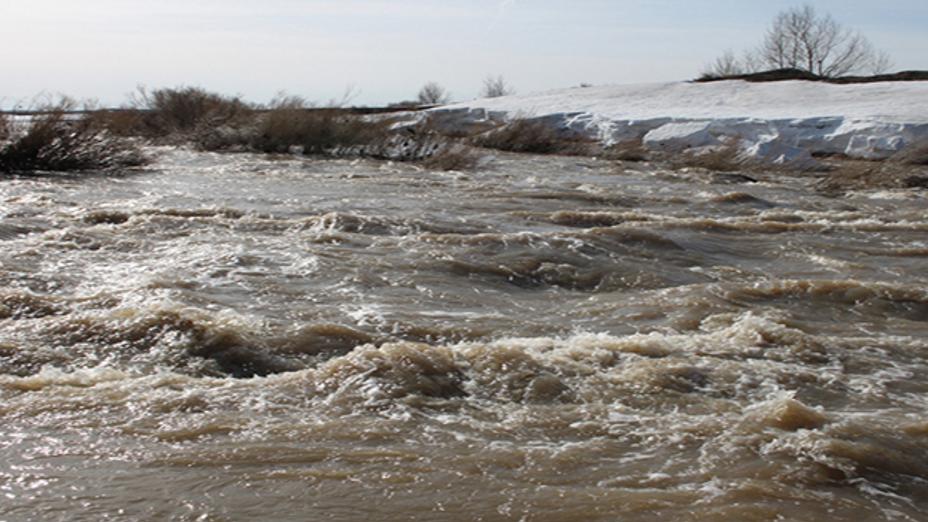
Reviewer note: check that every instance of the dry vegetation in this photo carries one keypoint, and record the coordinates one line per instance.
(533, 136)
(907, 168)
(631, 150)
(56, 139)
(186, 112)
(724, 158)
(290, 125)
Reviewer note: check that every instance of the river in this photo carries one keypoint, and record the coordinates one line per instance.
(242, 337)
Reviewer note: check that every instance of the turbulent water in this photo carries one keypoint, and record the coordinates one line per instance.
(249, 338)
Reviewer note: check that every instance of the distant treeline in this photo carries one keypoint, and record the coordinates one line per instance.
(780, 75)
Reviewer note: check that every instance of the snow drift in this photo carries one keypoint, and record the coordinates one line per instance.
(779, 122)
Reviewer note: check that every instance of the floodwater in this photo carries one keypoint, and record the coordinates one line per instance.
(238, 337)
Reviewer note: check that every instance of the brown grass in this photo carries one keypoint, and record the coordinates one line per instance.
(631, 150)
(54, 140)
(532, 136)
(723, 158)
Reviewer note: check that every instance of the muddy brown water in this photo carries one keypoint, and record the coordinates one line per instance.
(247, 338)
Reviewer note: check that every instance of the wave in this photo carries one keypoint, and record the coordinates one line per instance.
(764, 223)
(876, 298)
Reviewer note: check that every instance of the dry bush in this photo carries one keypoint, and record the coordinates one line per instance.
(185, 112)
(433, 94)
(56, 139)
(724, 158)
(292, 124)
(632, 150)
(532, 136)
(120, 122)
(495, 87)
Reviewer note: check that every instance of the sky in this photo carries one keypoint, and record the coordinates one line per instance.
(383, 51)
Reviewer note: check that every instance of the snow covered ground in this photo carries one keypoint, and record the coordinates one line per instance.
(780, 122)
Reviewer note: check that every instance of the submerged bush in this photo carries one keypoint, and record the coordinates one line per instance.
(56, 139)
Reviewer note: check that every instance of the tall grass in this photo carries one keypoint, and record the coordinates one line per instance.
(56, 139)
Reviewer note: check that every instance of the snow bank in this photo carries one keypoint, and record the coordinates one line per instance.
(782, 122)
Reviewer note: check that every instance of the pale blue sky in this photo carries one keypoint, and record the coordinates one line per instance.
(386, 49)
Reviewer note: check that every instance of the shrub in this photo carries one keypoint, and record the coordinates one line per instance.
(291, 123)
(56, 139)
(124, 122)
(433, 94)
(532, 136)
(632, 150)
(185, 112)
(495, 87)
(724, 158)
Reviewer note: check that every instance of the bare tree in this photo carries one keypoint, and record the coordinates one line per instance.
(433, 94)
(725, 65)
(496, 87)
(800, 38)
